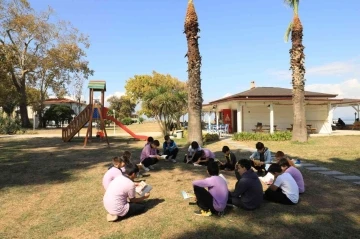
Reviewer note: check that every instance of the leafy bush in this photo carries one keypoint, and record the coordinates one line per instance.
(126, 121)
(9, 125)
(210, 137)
(276, 136)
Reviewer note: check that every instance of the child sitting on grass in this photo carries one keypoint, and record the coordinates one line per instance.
(230, 163)
(284, 190)
(119, 199)
(294, 172)
(114, 170)
(214, 199)
(205, 156)
(280, 154)
(194, 149)
(260, 157)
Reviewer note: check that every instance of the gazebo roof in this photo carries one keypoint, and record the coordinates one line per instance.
(270, 93)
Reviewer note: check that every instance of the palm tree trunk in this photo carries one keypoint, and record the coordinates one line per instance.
(297, 61)
(194, 80)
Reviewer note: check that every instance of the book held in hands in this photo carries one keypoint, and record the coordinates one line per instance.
(143, 188)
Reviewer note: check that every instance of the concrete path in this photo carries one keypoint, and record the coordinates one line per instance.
(308, 166)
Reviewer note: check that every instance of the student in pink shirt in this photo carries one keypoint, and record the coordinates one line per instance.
(149, 155)
(206, 154)
(120, 190)
(294, 172)
(214, 199)
(114, 171)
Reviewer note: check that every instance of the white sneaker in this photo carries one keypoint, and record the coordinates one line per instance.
(111, 218)
(173, 160)
(146, 169)
(151, 167)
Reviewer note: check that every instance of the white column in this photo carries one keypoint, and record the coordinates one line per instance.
(217, 120)
(209, 121)
(271, 119)
(34, 120)
(330, 116)
(239, 118)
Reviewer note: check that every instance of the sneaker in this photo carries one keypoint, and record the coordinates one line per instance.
(298, 161)
(146, 169)
(151, 167)
(173, 160)
(111, 218)
(139, 175)
(197, 165)
(221, 214)
(192, 203)
(203, 213)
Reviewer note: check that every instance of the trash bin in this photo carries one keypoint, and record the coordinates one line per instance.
(179, 134)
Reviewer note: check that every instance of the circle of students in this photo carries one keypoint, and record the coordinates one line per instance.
(285, 182)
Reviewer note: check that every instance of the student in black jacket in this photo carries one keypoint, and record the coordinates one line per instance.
(248, 193)
(230, 157)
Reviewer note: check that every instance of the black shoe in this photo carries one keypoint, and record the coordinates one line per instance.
(192, 203)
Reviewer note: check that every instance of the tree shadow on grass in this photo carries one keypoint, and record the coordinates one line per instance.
(34, 161)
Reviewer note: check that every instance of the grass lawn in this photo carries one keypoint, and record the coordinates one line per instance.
(51, 189)
(340, 153)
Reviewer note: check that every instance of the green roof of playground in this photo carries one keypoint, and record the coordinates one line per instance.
(97, 85)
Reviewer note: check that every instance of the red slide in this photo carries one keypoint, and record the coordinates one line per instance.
(126, 129)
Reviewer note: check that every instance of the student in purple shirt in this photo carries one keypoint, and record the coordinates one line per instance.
(214, 199)
(294, 172)
(149, 155)
(206, 155)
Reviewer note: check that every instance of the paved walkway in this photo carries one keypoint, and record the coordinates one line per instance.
(309, 166)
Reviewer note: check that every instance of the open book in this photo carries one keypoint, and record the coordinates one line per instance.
(187, 195)
(267, 179)
(163, 156)
(143, 188)
(267, 166)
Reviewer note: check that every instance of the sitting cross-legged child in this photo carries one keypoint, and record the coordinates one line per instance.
(214, 199)
(260, 157)
(170, 149)
(193, 150)
(294, 172)
(284, 190)
(230, 157)
(248, 193)
(113, 171)
(119, 199)
(149, 155)
(280, 154)
(203, 157)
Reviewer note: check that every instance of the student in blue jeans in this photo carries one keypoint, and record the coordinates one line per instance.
(170, 149)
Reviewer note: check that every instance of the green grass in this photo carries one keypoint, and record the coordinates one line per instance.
(340, 153)
(51, 189)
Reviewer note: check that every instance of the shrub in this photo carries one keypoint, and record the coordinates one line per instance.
(277, 136)
(126, 121)
(210, 137)
(9, 125)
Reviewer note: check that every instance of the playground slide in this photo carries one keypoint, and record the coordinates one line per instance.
(126, 129)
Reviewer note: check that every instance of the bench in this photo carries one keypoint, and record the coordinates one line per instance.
(356, 125)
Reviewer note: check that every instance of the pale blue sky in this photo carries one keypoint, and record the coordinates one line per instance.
(240, 41)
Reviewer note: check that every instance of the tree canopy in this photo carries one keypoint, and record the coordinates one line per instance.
(162, 97)
(124, 106)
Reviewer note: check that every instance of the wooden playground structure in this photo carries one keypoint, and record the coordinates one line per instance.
(94, 111)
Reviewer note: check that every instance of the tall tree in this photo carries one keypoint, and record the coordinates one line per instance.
(194, 80)
(39, 53)
(124, 106)
(297, 61)
(162, 97)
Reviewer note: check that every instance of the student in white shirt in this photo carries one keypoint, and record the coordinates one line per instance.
(284, 189)
(194, 149)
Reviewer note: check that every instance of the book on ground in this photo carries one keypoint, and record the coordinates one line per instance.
(222, 176)
(163, 156)
(187, 195)
(143, 188)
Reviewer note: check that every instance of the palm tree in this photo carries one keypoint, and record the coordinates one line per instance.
(194, 81)
(297, 60)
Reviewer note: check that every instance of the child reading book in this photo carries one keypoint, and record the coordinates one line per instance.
(142, 188)
(120, 190)
(214, 199)
(230, 157)
(114, 171)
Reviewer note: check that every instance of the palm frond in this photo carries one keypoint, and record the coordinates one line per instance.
(294, 4)
(288, 31)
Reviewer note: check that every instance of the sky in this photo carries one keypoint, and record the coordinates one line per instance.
(241, 41)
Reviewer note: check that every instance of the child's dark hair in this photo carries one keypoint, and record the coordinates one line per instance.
(274, 168)
(118, 159)
(150, 139)
(283, 162)
(259, 146)
(131, 168)
(245, 163)
(126, 159)
(225, 149)
(167, 137)
(213, 168)
(194, 145)
(156, 143)
(279, 154)
(127, 154)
